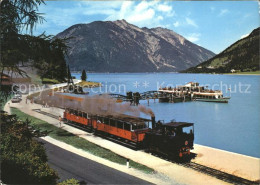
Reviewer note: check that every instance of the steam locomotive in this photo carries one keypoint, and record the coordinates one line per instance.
(174, 139)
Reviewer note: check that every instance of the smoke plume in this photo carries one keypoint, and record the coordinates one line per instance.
(97, 104)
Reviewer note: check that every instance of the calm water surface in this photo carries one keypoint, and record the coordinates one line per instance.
(234, 126)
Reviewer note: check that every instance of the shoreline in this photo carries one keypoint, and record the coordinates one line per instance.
(230, 152)
(235, 74)
(168, 73)
(243, 74)
(244, 166)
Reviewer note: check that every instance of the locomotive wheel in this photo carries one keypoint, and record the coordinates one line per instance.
(147, 150)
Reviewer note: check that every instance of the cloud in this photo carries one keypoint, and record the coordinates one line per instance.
(223, 12)
(191, 22)
(134, 13)
(160, 17)
(61, 15)
(193, 37)
(243, 36)
(164, 8)
(143, 16)
(145, 13)
(176, 24)
(259, 7)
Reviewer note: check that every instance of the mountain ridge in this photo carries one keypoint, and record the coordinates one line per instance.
(118, 46)
(243, 56)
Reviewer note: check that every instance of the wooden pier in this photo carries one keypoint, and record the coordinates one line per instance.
(188, 92)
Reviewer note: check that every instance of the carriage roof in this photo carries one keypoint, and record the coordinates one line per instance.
(121, 117)
(128, 119)
(178, 124)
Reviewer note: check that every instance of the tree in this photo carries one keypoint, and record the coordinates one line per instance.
(69, 77)
(18, 18)
(50, 59)
(23, 159)
(84, 75)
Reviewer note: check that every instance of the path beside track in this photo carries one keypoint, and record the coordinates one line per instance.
(68, 164)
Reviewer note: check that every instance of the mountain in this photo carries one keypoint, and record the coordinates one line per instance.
(117, 46)
(243, 55)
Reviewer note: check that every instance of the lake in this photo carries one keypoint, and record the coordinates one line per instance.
(233, 126)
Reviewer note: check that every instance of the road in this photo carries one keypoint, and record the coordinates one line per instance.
(69, 165)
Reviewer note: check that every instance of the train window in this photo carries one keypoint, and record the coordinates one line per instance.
(99, 119)
(135, 127)
(80, 114)
(84, 115)
(106, 121)
(120, 124)
(146, 124)
(127, 126)
(112, 123)
(187, 130)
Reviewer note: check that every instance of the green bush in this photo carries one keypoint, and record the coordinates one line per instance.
(23, 159)
(69, 182)
(49, 81)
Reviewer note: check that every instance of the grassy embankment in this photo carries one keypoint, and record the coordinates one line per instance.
(89, 84)
(50, 81)
(245, 73)
(73, 140)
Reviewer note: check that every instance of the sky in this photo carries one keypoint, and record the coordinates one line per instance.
(214, 25)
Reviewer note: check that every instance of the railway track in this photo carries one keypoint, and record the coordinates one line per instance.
(46, 113)
(219, 174)
(198, 167)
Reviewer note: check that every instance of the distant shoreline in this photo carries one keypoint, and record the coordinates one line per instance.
(169, 72)
(242, 74)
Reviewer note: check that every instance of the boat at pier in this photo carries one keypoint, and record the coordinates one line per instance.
(191, 91)
(211, 96)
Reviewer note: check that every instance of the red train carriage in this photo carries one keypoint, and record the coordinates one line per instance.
(174, 139)
(78, 117)
(123, 126)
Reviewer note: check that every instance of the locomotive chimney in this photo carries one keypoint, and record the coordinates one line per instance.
(153, 121)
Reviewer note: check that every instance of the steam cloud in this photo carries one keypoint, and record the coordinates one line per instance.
(98, 104)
